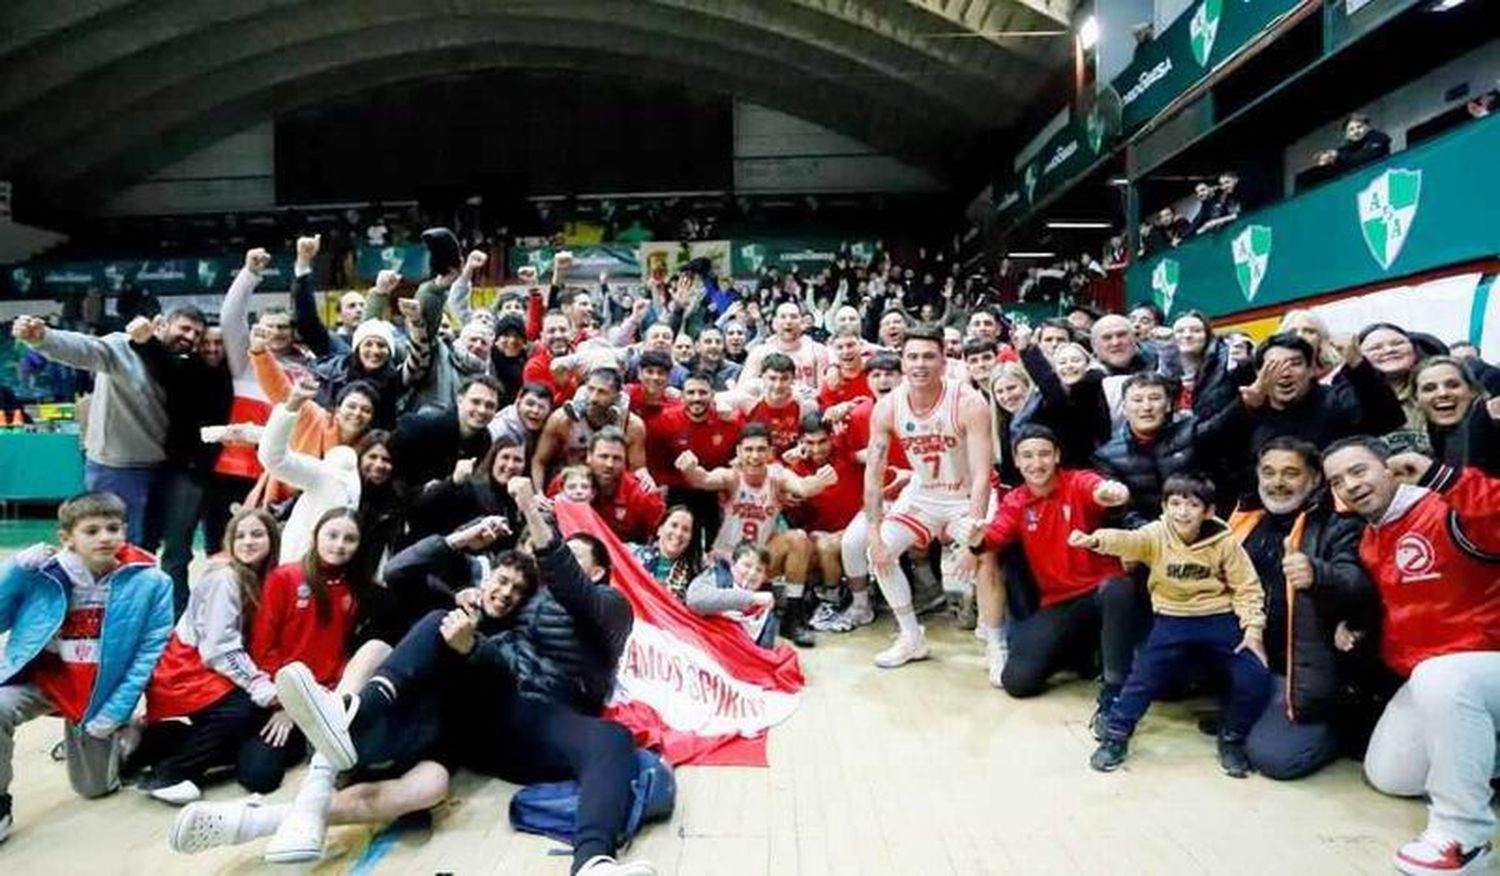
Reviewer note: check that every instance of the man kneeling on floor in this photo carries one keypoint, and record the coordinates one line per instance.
(1432, 546)
(550, 666)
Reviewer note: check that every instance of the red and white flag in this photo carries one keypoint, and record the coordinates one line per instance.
(696, 688)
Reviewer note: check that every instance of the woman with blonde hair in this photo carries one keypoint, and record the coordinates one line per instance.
(1310, 327)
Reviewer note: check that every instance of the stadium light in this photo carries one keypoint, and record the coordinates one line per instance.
(1077, 225)
(1031, 255)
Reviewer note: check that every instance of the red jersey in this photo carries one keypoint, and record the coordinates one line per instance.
(1042, 523)
(849, 389)
(182, 683)
(288, 626)
(633, 512)
(1435, 557)
(833, 509)
(712, 440)
(538, 369)
(784, 422)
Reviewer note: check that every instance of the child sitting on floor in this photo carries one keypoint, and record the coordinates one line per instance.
(1208, 609)
(86, 628)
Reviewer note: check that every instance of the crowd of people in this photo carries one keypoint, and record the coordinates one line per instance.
(1306, 527)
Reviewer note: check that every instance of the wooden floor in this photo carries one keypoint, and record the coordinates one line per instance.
(923, 770)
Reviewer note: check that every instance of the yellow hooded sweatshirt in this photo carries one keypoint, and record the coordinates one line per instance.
(1212, 575)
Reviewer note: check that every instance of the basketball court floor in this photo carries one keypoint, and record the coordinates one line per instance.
(924, 770)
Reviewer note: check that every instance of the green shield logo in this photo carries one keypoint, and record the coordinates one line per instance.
(1164, 279)
(1203, 28)
(1093, 126)
(1251, 249)
(1387, 209)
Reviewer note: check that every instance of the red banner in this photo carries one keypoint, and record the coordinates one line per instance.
(697, 688)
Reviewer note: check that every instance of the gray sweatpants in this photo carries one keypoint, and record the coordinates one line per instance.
(93, 764)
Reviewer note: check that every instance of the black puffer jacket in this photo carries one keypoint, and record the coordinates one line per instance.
(1182, 447)
(567, 639)
(1300, 624)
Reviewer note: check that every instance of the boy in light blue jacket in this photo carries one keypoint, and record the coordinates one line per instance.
(86, 628)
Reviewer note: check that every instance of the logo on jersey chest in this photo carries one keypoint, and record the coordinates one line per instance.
(1415, 558)
(921, 445)
(751, 510)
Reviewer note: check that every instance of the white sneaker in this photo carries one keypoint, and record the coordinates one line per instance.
(1429, 856)
(180, 794)
(299, 839)
(203, 826)
(848, 620)
(604, 865)
(318, 713)
(903, 650)
(995, 655)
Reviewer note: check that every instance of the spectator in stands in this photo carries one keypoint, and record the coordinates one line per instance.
(428, 445)
(351, 314)
(1394, 353)
(1145, 318)
(736, 587)
(1116, 341)
(629, 507)
(524, 419)
(1463, 426)
(673, 559)
(1166, 230)
(1241, 349)
(1307, 558)
(1362, 145)
(1217, 204)
(712, 359)
(1201, 366)
(451, 504)
(1441, 634)
(1285, 399)
(1463, 351)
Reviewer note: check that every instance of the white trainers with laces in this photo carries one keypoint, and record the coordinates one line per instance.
(904, 650)
(320, 714)
(995, 654)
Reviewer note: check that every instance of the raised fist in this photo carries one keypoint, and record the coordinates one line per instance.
(687, 460)
(304, 390)
(257, 260)
(475, 261)
(410, 309)
(140, 329)
(1112, 494)
(28, 328)
(260, 337)
(387, 281)
(307, 248)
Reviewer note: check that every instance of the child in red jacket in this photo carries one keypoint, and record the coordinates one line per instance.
(308, 614)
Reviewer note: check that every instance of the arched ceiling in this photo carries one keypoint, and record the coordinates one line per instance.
(96, 94)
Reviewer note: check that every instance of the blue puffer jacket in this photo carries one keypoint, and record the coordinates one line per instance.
(137, 621)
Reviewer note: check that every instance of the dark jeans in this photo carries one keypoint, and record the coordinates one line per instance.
(391, 737)
(517, 738)
(1108, 621)
(1281, 749)
(179, 498)
(213, 740)
(261, 767)
(220, 493)
(134, 485)
(1177, 645)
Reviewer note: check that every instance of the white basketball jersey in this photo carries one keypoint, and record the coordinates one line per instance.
(749, 515)
(933, 443)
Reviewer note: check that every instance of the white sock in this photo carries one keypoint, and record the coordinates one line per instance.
(992, 635)
(906, 619)
(261, 821)
(795, 591)
(859, 600)
(317, 787)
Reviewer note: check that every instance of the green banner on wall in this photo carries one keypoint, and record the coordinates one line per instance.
(162, 277)
(1065, 155)
(1427, 207)
(806, 255)
(408, 260)
(1202, 38)
(615, 259)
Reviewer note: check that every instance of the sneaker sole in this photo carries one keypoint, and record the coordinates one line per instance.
(295, 689)
(293, 856)
(915, 658)
(1478, 864)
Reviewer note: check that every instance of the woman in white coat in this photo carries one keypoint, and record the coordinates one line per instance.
(330, 482)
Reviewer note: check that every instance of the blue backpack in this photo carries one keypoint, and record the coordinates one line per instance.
(551, 808)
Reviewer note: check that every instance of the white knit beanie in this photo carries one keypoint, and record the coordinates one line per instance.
(376, 328)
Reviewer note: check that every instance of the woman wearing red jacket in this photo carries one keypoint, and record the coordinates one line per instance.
(308, 613)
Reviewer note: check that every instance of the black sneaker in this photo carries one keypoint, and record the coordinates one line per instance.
(1099, 723)
(1110, 754)
(794, 623)
(1232, 757)
(4, 817)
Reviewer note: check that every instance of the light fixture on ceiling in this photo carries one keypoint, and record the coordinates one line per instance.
(1118, 181)
(1088, 33)
(1076, 224)
(1031, 255)
(1443, 5)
